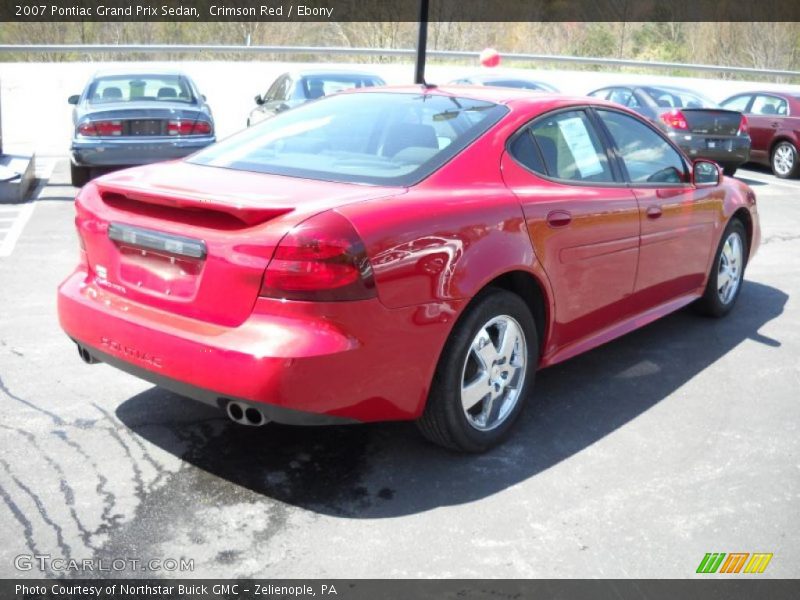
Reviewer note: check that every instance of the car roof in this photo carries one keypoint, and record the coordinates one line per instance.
(645, 85)
(134, 71)
(500, 75)
(782, 93)
(331, 71)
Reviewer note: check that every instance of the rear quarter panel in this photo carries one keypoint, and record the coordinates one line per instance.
(440, 244)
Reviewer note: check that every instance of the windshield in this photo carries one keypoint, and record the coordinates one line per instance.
(673, 98)
(140, 88)
(378, 138)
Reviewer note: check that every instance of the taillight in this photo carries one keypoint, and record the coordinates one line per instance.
(675, 119)
(202, 128)
(322, 259)
(100, 128)
(82, 261)
(179, 127)
(744, 128)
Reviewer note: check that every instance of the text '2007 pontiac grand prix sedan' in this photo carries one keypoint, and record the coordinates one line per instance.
(400, 254)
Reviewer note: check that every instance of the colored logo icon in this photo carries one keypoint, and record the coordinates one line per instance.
(735, 562)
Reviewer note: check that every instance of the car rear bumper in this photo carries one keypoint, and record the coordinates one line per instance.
(130, 152)
(726, 150)
(297, 360)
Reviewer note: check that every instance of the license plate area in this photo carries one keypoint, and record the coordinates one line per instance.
(717, 144)
(145, 127)
(162, 274)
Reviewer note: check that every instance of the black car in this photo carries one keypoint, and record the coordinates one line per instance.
(700, 127)
(296, 87)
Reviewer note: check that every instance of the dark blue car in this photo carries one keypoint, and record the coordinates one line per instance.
(123, 119)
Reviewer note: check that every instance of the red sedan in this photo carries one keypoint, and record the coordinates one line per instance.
(400, 254)
(774, 119)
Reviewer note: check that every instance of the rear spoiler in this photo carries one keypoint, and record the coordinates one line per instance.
(246, 214)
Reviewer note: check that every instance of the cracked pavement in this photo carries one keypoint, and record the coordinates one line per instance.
(633, 460)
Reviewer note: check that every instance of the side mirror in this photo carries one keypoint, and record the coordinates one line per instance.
(259, 100)
(705, 173)
(203, 96)
(74, 99)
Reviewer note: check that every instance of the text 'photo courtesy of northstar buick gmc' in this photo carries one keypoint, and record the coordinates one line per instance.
(411, 253)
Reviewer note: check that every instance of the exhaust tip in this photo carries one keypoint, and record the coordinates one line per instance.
(235, 411)
(86, 357)
(245, 415)
(253, 416)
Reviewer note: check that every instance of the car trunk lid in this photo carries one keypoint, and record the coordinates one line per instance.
(195, 240)
(712, 121)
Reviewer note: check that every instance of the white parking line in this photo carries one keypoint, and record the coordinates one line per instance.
(12, 234)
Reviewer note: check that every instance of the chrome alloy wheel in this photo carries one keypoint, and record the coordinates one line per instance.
(783, 159)
(729, 275)
(493, 373)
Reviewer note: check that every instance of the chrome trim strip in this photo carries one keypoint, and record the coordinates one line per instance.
(157, 240)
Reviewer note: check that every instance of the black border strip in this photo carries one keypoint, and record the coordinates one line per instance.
(194, 11)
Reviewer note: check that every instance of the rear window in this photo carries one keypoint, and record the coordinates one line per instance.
(672, 98)
(376, 138)
(139, 88)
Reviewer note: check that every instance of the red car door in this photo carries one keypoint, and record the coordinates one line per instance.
(677, 220)
(583, 221)
(765, 119)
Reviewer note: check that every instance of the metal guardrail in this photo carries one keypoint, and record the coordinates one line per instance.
(345, 51)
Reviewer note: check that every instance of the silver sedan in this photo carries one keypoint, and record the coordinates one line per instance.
(125, 118)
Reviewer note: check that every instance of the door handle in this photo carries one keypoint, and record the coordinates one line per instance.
(653, 212)
(559, 218)
(774, 124)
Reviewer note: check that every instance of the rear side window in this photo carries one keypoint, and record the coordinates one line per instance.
(571, 148)
(524, 149)
(737, 103)
(647, 156)
(769, 105)
(603, 94)
(624, 97)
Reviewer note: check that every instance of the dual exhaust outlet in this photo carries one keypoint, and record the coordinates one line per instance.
(238, 412)
(245, 415)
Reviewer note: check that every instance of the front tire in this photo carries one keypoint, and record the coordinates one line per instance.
(79, 176)
(729, 170)
(727, 272)
(784, 160)
(484, 374)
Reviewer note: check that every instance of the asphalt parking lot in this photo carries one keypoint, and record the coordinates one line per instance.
(633, 460)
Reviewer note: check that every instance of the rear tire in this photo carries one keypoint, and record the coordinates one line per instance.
(79, 176)
(727, 272)
(784, 160)
(484, 374)
(729, 170)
